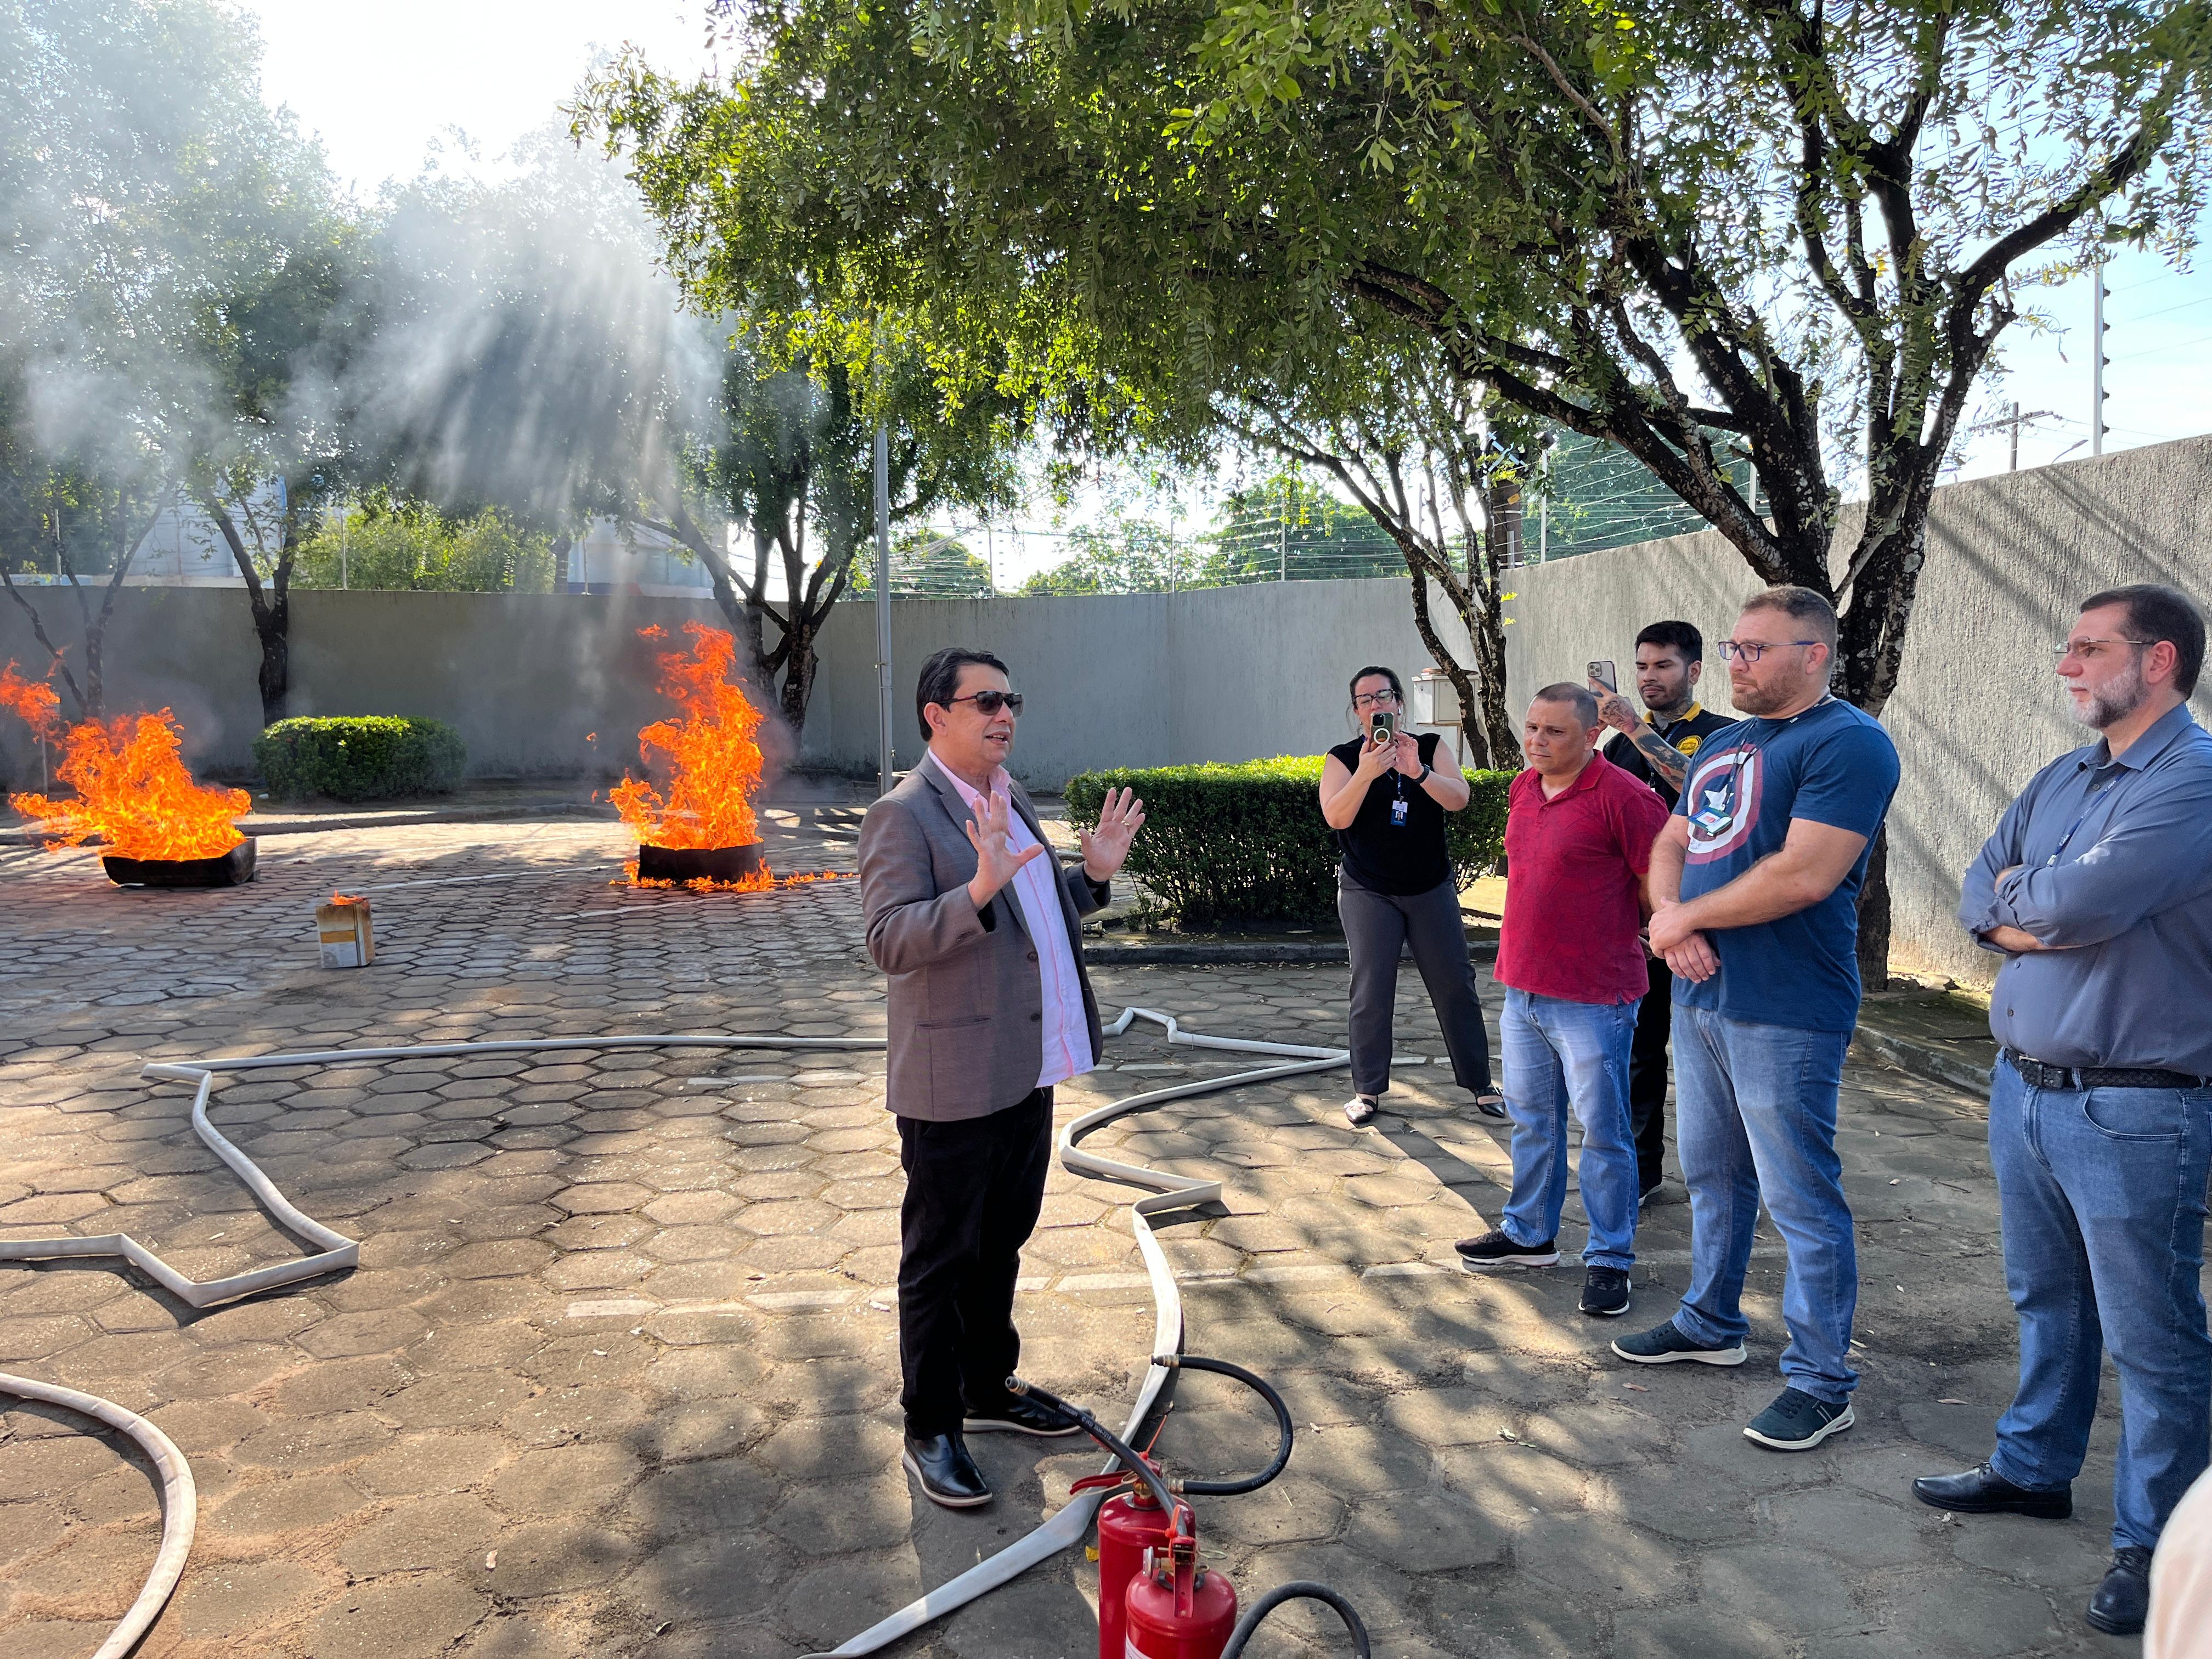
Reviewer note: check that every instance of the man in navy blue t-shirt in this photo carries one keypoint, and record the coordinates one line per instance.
(1755, 884)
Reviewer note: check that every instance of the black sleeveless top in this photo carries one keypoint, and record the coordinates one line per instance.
(1380, 854)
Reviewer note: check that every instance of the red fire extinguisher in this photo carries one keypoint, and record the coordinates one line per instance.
(1130, 1523)
(1175, 1608)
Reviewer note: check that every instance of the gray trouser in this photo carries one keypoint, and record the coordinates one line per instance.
(1376, 925)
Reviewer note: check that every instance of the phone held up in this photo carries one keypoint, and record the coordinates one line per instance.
(1383, 727)
(1603, 672)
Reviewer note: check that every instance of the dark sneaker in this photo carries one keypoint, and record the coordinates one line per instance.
(1664, 1345)
(1359, 1110)
(1016, 1415)
(1798, 1422)
(1982, 1490)
(1605, 1292)
(1493, 1250)
(2123, 1601)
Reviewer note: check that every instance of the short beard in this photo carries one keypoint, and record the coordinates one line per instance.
(2114, 701)
(1756, 701)
(1667, 711)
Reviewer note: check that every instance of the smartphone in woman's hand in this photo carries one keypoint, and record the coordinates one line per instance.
(1383, 728)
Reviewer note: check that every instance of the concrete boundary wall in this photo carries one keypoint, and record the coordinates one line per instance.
(551, 685)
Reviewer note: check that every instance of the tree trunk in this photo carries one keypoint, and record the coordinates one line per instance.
(799, 667)
(271, 603)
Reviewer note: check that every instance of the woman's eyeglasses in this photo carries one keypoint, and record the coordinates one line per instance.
(990, 702)
(1374, 699)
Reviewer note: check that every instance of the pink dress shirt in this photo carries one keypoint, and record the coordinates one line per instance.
(1036, 890)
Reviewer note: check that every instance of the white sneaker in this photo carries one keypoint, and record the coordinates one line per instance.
(1359, 1110)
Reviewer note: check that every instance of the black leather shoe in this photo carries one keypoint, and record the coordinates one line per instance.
(1982, 1490)
(2121, 1602)
(948, 1475)
(1016, 1415)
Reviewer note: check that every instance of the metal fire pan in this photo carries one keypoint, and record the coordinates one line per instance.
(233, 869)
(690, 863)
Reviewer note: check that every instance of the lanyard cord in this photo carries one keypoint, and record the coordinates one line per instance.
(2102, 795)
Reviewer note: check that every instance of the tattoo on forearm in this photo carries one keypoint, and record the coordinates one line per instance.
(1673, 764)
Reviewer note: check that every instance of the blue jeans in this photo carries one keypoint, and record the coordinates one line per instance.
(1559, 1054)
(2102, 1204)
(1755, 1115)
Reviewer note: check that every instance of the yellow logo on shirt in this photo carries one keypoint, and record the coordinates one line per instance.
(1689, 745)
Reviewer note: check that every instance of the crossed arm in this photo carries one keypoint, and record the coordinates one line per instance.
(1812, 862)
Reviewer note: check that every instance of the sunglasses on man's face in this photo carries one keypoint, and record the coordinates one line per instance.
(989, 704)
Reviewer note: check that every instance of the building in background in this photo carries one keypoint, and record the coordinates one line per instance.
(611, 557)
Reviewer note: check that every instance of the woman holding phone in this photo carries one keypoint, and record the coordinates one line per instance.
(1385, 794)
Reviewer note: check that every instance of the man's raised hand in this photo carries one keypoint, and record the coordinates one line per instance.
(995, 861)
(1105, 848)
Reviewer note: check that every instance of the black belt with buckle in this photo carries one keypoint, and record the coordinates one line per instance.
(2038, 1075)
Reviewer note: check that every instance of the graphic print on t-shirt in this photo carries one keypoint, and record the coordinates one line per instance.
(1723, 807)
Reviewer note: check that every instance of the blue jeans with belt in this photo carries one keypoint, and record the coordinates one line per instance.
(2102, 1196)
(1559, 1055)
(1755, 1117)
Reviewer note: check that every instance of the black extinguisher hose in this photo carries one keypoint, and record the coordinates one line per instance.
(1191, 1361)
(1104, 1436)
(1296, 1589)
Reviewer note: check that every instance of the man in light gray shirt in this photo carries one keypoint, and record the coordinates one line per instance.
(2097, 888)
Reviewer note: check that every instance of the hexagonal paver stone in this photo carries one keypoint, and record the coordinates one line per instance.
(397, 1619)
(602, 1197)
(559, 1555)
(460, 1400)
(565, 1479)
(833, 1518)
(449, 1531)
(237, 1599)
(1601, 1562)
(349, 1335)
(1424, 1532)
(1778, 1586)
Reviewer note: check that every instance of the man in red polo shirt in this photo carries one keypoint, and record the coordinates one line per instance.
(1578, 835)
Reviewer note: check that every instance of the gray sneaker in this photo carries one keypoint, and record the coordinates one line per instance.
(1796, 1421)
(1665, 1345)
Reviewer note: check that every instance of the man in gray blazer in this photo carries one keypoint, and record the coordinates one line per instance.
(976, 927)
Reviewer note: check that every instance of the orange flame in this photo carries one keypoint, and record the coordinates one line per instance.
(134, 792)
(347, 898)
(37, 702)
(712, 763)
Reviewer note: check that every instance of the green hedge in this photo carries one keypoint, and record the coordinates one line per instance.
(1243, 845)
(359, 757)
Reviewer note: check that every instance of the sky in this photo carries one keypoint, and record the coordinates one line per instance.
(383, 85)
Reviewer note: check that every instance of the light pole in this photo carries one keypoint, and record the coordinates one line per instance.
(882, 611)
(2097, 362)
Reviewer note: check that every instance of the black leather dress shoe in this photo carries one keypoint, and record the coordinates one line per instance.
(1016, 1415)
(948, 1475)
(1982, 1490)
(2123, 1601)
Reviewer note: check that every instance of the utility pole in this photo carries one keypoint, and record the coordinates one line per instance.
(2097, 362)
(1283, 536)
(882, 612)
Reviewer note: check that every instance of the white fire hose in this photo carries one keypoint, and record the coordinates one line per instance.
(337, 1252)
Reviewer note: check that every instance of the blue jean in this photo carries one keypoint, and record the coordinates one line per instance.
(2102, 1205)
(1559, 1054)
(1755, 1116)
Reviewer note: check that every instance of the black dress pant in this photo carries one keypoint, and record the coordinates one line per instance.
(974, 1190)
(1647, 1077)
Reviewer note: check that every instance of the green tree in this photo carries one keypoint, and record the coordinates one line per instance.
(790, 457)
(1125, 553)
(1802, 226)
(925, 565)
(167, 303)
(381, 543)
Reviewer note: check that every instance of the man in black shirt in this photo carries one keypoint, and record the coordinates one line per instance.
(1669, 657)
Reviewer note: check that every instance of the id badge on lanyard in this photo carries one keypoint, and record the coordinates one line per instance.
(1399, 807)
